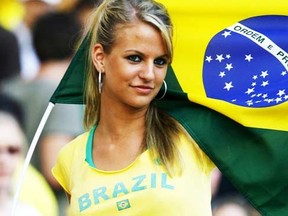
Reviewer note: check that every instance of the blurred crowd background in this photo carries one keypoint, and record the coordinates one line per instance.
(37, 41)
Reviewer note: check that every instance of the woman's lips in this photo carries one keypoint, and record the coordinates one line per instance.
(142, 89)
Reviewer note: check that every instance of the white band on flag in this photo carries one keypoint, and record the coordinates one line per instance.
(263, 41)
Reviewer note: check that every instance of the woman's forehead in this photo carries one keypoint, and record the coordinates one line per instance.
(10, 132)
(138, 31)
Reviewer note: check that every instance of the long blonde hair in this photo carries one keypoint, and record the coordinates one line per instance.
(161, 130)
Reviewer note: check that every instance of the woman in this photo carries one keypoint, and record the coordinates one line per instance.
(11, 146)
(134, 159)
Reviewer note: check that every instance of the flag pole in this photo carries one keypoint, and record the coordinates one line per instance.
(30, 154)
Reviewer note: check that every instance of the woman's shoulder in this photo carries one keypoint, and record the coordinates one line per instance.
(80, 139)
(69, 157)
(76, 144)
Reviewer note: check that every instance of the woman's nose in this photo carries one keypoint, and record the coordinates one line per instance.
(147, 71)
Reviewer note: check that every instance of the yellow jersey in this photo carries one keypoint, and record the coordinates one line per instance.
(143, 188)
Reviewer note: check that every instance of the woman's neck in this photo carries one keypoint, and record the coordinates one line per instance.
(117, 120)
(118, 139)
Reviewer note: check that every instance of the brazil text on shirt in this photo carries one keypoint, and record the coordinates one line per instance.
(137, 183)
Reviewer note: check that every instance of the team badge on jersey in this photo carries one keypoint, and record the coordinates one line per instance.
(123, 204)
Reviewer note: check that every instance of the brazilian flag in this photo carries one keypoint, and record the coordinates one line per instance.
(228, 86)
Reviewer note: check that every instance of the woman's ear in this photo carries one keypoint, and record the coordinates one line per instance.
(98, 57)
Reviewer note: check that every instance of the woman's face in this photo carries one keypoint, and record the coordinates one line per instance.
(136, 66)
(11, 142)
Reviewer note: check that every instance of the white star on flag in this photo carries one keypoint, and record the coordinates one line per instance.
(208, 58)
(265, 83)
(228, 86)
(229, 66)
(264, 74)
(226, 34)
(249, 91)
(248, 57)
(281, 93)
(219, 58)
(222, 74)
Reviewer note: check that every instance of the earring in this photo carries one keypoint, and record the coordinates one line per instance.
(165, 91)
(100, 82)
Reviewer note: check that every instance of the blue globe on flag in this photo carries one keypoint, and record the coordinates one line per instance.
(246, 64)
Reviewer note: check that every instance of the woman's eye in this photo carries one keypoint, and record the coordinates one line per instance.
(160, 61)
(134, 58)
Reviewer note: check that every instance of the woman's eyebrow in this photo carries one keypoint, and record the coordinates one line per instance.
(142, 54)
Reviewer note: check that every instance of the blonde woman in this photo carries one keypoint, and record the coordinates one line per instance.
(134, 159)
